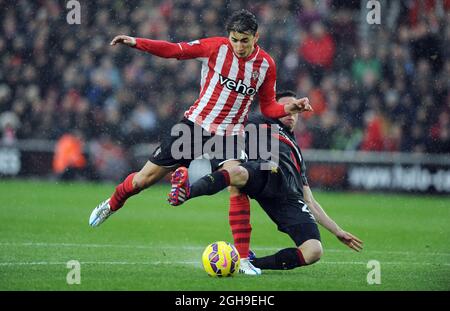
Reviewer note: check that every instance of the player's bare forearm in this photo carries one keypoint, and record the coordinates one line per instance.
(321, 217)
(324, 220)
(346, 238)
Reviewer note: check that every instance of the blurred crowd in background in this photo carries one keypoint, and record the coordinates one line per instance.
(373, 87)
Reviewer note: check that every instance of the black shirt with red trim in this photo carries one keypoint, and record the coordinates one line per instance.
(287, 156)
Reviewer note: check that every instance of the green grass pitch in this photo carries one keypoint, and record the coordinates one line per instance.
(149, 245)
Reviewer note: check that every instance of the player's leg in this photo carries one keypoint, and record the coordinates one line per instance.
(308, 252)
(311, 250)
(160, 163)
(136, 182)
(239, 215)
(214, 148)
(256, 180)
(239, 208)
(235, 176)
(226, 174)
(231, 174)
(132, 185)
(292, 217)
(209, 184)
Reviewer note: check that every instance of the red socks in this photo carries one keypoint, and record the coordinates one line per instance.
(123, 192)
(239, 217)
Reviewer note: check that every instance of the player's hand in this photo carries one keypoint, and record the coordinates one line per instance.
(350, 240)
(127, 40)
(298, 105)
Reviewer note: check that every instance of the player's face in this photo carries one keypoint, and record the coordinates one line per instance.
(290, 120)
(243, 43)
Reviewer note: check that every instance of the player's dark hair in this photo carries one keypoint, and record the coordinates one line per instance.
(286, 93)
(242, 21)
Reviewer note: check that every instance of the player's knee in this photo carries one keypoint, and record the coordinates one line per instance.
(238, 176)
(316, 254)
(312, 251)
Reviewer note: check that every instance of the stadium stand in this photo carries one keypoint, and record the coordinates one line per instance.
(374, 88)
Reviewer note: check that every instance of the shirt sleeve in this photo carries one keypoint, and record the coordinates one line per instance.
(304, 179)
(159, 48)
(199, 48)
(183, 50)
(303, 172)
(269, 106)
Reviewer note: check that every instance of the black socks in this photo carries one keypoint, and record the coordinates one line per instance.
(210, 184)
(285, 259)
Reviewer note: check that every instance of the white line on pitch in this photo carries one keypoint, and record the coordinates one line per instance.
(152, 263)
(197, 263)
(192, 247)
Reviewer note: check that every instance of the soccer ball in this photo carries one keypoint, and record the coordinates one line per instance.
(220, 259)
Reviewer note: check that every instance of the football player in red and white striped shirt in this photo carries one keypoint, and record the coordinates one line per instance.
(234, 70)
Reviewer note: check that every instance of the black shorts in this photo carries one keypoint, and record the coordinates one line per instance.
(300, 233)
(189, 141)
(263, 183)
(292, 216)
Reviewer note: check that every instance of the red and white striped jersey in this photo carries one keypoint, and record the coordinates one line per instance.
(228, 82)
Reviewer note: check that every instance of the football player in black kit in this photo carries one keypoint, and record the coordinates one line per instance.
(282, 190)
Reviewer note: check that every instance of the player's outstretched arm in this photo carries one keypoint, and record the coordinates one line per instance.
(323, 219)
(155, 47)
(184, 50)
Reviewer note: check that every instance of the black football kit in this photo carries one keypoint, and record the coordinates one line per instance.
(278, 185)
